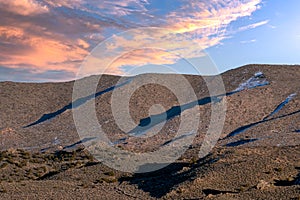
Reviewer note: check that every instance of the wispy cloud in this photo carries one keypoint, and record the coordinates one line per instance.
(255, 25)
(248, 41)
(217, 14)
(45, 35)
(272, 26)
(29, 75)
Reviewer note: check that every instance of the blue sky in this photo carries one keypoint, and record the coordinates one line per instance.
(277, 42)
(48, 40)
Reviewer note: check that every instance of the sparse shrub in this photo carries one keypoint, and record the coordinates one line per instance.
(49, 157)
(180, 190)
(2, 155)
(2, 190)
(109, 180)
(34, 160)
(193, 161)
(21, 164)
(10, 160)
(243, 189)
(110, 173)
(25, 155)
(3, 165)
(279, 169)
(105, 180)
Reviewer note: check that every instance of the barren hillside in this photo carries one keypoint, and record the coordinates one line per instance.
(256, 156)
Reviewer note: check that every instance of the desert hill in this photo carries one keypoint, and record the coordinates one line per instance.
(256, 156)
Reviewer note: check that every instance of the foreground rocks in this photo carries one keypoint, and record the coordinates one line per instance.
(227, 173)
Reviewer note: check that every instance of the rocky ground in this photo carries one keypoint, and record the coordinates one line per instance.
(256, 155)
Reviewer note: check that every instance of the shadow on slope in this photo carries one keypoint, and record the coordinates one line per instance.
(258, 80)
(75, 104)
(294, 181)
(161, 182)
(265, 119)
(246, 127)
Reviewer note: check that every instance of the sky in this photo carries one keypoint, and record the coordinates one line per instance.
(51, 40)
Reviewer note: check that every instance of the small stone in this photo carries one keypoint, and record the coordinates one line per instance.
(60, 147)
(263, 185)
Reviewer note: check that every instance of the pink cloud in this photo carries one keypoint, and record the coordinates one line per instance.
(24, 7)
(41, 53)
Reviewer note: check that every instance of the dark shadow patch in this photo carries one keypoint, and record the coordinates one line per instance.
(175, 111)
(283, 183)
(265, 119)
(280, 106)
(240, 142)
(75, 104)
(79, 142)
(159, 183)
(246, 127)
(89, 164)
(216, 192)
(48, 175)
(153, 120)
(242, 129)
(286, 183)
(178, 138)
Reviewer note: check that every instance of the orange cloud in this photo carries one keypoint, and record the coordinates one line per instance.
(24, 7)
(83, 43)
(11, 33)
(42, 54)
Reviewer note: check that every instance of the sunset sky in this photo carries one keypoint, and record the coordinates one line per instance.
(47, 40)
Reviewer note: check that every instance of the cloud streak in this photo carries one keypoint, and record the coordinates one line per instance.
(255, 25)
(248, 41)
(27, 75)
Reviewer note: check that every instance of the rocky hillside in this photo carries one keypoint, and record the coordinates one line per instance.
(256, 155)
